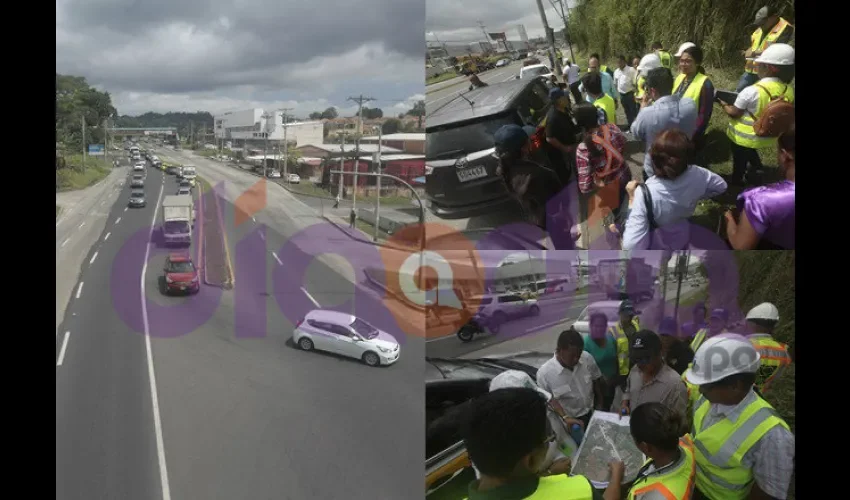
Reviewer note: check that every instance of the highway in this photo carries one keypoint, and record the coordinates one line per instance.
(537, 332)
(215, 402)
(436, 98)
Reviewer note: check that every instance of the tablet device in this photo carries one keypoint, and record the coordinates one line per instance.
(726, 96)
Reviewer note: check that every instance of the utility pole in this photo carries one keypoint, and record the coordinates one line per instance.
(378, 182)
(105, 141)
(285, 147)
(550, 35)
(359, 100)
(84, 141)
(681, 268)
(563, 11)
(266, 117)
(341, 163)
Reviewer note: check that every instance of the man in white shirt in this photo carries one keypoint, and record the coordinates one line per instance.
(624, 80)
(571, 76)
(573, 378)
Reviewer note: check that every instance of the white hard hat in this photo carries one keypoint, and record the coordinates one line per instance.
(721, 356)
(684, 47)
(648, 62)
(780, 54)
(765, 310)
(515, 379)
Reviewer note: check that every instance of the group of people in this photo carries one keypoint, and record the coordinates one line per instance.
(670, 116)
(694, 397)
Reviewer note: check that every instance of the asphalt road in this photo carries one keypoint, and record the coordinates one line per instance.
(241, 413)
(555, 315)
(437, 98)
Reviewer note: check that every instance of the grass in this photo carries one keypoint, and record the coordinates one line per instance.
(58, 211)
(448, 75)
(310, 188)
(74, 176)
(203, 185)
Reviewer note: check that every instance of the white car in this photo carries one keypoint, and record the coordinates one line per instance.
(274, 174)
(502, 62)
(346, 335)
(506, 306)
(610, 308)
(184, 190)
(294, 179)
(533, 71)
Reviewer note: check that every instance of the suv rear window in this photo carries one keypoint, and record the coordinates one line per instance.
(447, 143)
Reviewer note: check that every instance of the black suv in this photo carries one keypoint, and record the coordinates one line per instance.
(460, 167)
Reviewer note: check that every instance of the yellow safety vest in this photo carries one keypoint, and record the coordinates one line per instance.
(623, 345)
(740, 130)
(693, 395)
(640, 83)
(675, 484)
(755, 46)
(720, 448)
(694, 88)
(607, 103)
(561, 487)
(699, 338)
(603, 68)
(774, 359)
(666, 59)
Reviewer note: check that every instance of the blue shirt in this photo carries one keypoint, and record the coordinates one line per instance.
(607, 87)
(673, 202)
(667, 112)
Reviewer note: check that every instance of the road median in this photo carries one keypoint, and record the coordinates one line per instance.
(217, 268)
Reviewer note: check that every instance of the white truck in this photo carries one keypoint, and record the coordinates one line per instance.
(178, 219)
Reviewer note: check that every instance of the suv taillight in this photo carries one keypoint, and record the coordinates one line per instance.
(537, 138)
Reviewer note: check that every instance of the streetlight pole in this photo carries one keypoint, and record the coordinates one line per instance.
(84, 141)
(341, 164)
(266, 117)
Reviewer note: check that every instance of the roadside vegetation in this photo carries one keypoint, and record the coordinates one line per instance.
(74, 176)
(448, 75)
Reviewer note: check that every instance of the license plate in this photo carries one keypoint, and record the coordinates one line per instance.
(182, 288)
(470, 174)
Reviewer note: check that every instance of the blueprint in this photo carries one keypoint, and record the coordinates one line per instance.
(607, 438)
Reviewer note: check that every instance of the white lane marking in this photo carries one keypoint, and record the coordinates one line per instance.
(310, 297)
(81, 225)
(157, 423)
(263, 236)
(106, 237)
(66, 241)
(277, 259)
(62, 349)
(92, 258)
(79, 290)
(254, 219)
(118, 220)
(125, 208)
(441, 338)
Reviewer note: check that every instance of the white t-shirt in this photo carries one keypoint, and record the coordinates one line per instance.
(624, 79)
(571, 73)
(748, 99)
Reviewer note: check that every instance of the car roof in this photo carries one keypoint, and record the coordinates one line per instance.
(336, 317)
(487, 101)
(532, 66)
(179, 257)
(605, 304)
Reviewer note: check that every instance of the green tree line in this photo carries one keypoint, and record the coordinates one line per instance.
(721, 27)
(185, 122)
(76, 101)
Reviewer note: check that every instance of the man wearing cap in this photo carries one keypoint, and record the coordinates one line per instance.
(593, 87)
(530, 183)
(561, 134)
(650, 379)
(776, 69)
(761, 320)
(661, 110)
(717, 323)
(771, 29)
(744, 449)
(623, 332)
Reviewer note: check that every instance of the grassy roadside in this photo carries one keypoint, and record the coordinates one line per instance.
(75, 176)
(448, 75)
(58, 211)
(311, 189)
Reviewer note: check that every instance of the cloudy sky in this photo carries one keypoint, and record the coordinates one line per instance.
(223, 55)
(454, 21)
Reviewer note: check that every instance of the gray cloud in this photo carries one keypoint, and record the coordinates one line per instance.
(458, 21)
(239, 50)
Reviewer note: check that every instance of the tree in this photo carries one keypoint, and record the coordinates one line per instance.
(316, 115)
(391, 126)
(77, 101)
(372, 113)
(330, 113)
(418, 111)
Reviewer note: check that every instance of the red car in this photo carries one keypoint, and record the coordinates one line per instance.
(181, 275)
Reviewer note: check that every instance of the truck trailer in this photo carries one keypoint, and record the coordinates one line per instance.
(178, 219)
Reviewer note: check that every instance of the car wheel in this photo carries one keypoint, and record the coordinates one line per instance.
(371, 359)
(465, 335)
(535, 311)
(305, 344)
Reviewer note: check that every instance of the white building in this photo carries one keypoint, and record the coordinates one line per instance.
(253, 125)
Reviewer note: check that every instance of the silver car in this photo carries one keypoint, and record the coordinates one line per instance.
(347, 335)
(506, 306)
(610, 308)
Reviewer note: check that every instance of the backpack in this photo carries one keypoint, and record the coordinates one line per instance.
(776, 117)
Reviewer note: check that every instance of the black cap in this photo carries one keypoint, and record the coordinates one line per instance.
(644, 346)
(510, 138)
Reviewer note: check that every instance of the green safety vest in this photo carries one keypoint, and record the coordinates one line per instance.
(740, 130)
(622, 342)
(751, 66)
(607, 103)
(561, 487)
(640, 83)
(720, 448)
(699, 338)
(666, 59)
(694, 88)
(674, 484)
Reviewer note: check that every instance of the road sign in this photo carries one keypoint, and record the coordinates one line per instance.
(95, 149)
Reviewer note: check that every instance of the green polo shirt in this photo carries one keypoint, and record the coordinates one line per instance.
(514, 490)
